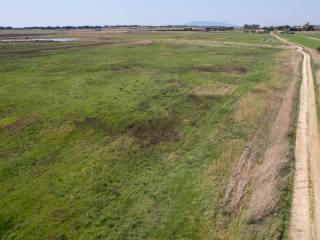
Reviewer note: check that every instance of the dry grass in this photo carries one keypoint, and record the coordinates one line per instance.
(251, 107)
(259, 170)
(242, 176)
(212, 90)
(267, 176)
(316, 60)
(216, 43)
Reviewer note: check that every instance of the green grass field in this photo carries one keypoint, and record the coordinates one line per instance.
(233, 36)
(305, 39)
(315, 34)
(131, 141)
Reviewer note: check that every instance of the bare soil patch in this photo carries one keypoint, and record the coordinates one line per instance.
(47, 50)
(156, 131)
(224, 69)
(96, 124)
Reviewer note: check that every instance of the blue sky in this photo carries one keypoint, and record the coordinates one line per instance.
(156, 12)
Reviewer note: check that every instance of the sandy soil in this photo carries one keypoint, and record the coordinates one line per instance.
(305, 213)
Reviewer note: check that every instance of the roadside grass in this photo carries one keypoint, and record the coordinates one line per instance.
(315, 34)
(129, 142)
(316, 86)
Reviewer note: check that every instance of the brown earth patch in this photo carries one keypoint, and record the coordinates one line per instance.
(156, 131)
(60, 47)
(222, 68)
(209, 69)
(22, 123)
(119, 67)
(95, 123)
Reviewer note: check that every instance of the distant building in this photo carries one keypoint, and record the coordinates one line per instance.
(260, 31)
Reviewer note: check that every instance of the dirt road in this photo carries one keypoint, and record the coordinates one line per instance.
(305, 213)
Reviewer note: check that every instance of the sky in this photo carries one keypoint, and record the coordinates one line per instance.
(21, 13)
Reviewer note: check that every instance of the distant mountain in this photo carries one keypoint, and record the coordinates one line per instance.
(209, 24)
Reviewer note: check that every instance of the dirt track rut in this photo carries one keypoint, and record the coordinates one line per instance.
(305, 212)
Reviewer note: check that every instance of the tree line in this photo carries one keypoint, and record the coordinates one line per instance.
(305, 27)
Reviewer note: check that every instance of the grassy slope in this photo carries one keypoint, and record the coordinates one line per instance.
(81, 155)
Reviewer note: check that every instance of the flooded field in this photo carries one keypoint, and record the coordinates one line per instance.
(40, 40)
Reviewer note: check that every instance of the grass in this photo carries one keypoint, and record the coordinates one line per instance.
(314, 34)
(232, 36)
(128, 141)
(304, 39)
(110, 35)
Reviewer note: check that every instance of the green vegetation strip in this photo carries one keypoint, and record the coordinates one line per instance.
(307, 40)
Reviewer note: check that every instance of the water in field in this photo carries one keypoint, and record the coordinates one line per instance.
(40, 40)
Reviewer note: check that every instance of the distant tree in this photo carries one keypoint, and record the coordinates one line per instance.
(268, 29)
(6, 28)
(251, 26)
(283, 28)
(308, 27)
